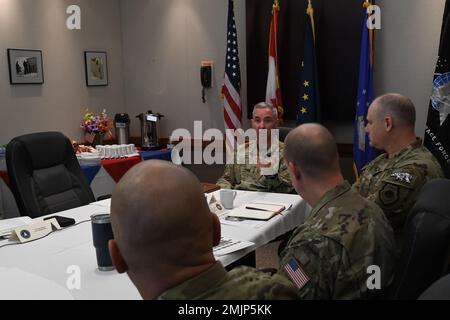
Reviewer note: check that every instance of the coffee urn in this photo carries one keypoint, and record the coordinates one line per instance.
(149, 130)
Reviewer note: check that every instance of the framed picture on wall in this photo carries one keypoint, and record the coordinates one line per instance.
(96, 68)
(25, 66)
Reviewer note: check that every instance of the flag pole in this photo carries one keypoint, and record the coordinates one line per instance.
(310, 12)
(366, 5)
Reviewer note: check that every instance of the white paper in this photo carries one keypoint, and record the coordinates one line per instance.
(228, 245)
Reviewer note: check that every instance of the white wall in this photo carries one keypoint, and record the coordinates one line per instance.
(60, 102)
(407, 51)
(164, 42)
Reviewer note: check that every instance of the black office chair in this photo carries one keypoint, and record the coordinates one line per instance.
(283, 132)
(440, 290)
(426, 249)
(45, 175)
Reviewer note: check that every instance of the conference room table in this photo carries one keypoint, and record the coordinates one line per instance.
(49, 267)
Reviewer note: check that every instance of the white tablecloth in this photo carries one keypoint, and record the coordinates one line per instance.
(52, 257)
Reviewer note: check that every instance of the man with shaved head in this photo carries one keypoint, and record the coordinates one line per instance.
(394, 179)
(164, 235)
(344, 234)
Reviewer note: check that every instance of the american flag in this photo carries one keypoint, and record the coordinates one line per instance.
(231, 89)
(296, 273)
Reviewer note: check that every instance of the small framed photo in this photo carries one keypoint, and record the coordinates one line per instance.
(96, 68)
(25, 66)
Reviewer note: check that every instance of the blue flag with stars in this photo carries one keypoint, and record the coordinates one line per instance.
(363, 152)
(308, 108)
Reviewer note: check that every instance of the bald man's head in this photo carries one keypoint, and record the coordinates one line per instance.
(397, 106)
(313, 149)
(159, 215)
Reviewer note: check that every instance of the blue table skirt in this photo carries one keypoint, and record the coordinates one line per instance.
(159, 154)
(90, 172)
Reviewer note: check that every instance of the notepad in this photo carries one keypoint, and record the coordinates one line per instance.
(258, 211)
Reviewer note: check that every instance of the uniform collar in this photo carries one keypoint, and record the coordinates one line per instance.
(198, 285)
(329, 196)
(416, 144)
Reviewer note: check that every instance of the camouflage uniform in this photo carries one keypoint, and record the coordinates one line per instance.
(395, 183)
(241, 283)
(248, 177)
(342, 237)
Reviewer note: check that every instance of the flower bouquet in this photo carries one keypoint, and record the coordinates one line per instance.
(96, 127)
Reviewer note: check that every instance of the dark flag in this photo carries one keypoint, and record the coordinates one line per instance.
(437, 132)
(308, 108)
(363, 152)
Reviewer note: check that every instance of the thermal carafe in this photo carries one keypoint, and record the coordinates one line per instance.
(122, 126)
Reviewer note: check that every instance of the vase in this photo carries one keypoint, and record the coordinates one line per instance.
(98, 140)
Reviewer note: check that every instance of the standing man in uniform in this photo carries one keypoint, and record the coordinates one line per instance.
(164, 235)
(262, 176)
(393, 180)
(329, 255)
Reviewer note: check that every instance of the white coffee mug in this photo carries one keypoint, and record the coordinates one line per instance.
(227, 198)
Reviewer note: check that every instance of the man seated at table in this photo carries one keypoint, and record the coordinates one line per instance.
(164, 237)
(394, 179)
(328, 255)
(259, 175)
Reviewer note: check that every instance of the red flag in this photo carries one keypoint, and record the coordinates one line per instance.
(273, 90)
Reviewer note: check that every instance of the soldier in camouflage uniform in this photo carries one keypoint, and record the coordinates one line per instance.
(394, 179)
(164, 235)
(241, 283)
(247, 172)
(328, 256)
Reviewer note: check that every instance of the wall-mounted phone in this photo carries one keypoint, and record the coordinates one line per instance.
(206, 77)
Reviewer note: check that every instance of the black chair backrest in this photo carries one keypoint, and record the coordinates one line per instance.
(284, 131)
(426, 248)
(440, 290)
(45, 174)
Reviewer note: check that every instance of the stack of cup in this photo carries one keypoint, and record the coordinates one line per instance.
(131, 149)
(116, 151)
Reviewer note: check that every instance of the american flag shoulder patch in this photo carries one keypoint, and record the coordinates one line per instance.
(296, 273)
